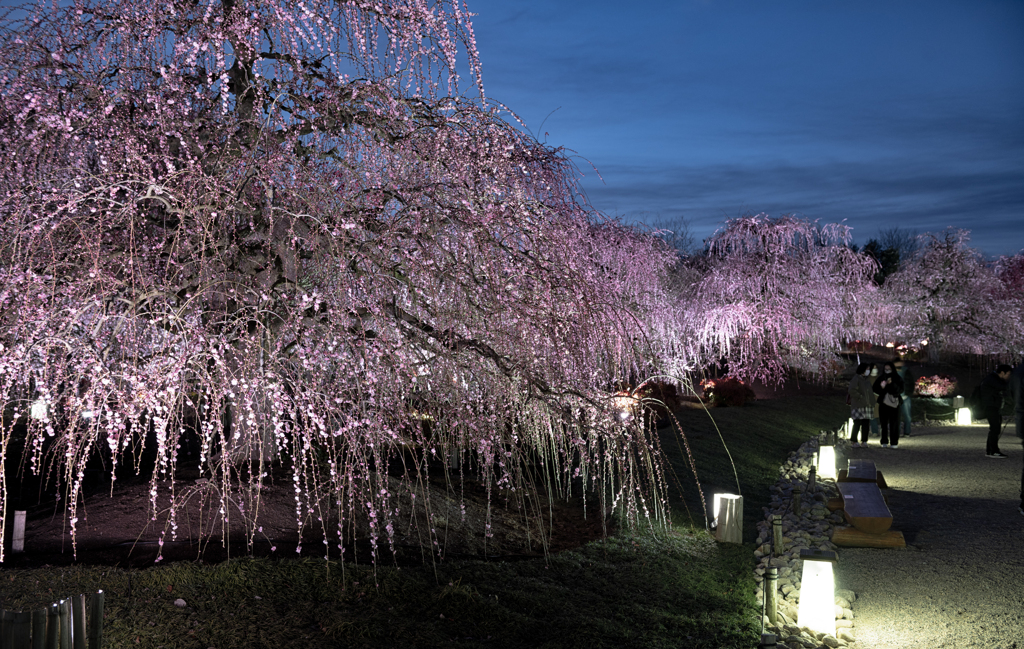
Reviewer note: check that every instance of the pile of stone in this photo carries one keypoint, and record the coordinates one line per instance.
(806, 524)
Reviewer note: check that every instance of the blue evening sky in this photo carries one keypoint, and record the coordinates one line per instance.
(886, 114)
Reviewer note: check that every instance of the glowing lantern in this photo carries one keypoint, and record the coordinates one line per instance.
(817, 610)
(728, 511)
(625, 403)
(827, 462)
(963, 414)
(39, 409)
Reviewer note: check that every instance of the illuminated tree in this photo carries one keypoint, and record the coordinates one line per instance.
(948, 295)
(281, 226)
(776, 293)
(1010, 271)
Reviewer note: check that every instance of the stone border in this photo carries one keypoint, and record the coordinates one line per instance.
(812, 529)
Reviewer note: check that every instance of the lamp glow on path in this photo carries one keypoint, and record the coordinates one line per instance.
(817, 610)
(827, 462)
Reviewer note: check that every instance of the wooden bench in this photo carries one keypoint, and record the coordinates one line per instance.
(864, 507)
(861, 471)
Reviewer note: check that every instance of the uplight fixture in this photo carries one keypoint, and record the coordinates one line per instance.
(817, 610)
(827, 462)
(963, 413)
(728, 514)
(39, 409)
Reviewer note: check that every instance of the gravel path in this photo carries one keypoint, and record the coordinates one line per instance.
(960, 581)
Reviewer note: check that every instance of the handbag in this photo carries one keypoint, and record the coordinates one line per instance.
(891, 400)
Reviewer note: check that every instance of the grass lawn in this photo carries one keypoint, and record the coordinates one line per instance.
(677, 588)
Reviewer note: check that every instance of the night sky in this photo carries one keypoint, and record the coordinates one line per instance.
(885, 114)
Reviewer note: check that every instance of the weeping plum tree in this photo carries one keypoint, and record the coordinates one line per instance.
(946, 294)
(775, 293)
(280, 226)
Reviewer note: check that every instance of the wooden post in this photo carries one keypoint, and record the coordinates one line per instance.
(18, 542)
(812, 480)
(78, 608)
(771, 594)
(39, 628)
(796, 501)
(777, 534)
(96, 621)
(65, 624)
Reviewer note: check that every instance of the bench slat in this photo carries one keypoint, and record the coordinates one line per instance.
(861, 471)
(864, 507)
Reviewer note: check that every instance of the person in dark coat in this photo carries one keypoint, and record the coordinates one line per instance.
(889, 388)
(862, 404)
(993, 387)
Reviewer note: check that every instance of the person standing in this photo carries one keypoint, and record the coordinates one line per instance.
(862, 403)
(1017, 394)
(889, 389)
(992, 388)
(874, 407)
(908, 391)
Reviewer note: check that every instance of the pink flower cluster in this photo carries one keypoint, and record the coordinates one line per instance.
(939, 385)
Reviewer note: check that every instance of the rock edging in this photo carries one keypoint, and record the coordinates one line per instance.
(811, 528)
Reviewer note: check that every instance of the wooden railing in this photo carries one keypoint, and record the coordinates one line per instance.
(58, 626)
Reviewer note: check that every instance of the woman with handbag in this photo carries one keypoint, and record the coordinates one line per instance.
(889, 388)
(861, 400)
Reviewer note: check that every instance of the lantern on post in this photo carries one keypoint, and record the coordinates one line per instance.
(963, 413)
(817, 609)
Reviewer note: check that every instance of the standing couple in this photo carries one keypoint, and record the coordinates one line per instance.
(887, 393)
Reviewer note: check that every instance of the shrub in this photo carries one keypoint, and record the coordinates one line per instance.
(660, 398)
(726, 391)
(939, 385)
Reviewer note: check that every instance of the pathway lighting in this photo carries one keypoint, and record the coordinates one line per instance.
(963, 413)
(728, 517)
(827, 462)
(624, 403)
(817, 609)
(39, 410)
